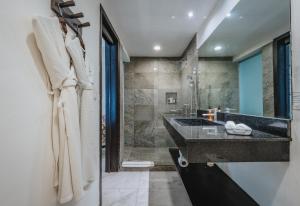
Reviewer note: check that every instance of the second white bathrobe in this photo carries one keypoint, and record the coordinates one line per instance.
(88, 117)
(65, 129)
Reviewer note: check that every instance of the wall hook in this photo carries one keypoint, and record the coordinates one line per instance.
(66, 4)
(74, 16)
(86, 24)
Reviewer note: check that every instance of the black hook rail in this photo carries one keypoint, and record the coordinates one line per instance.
(66, 4)
(62, 10)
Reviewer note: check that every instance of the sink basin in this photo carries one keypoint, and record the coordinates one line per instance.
(196, 122)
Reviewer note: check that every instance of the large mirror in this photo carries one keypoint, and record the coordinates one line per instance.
(244, 66)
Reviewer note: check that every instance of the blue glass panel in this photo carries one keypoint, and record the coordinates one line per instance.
(251, 86)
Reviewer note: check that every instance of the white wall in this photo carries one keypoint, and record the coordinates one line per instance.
(25, 107)
(276, 184)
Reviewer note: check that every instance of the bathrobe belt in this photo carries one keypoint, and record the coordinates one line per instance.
(68, 82)
(86, 86)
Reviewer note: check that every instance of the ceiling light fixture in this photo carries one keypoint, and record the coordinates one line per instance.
(218, 48)
(191, 14)
(155, 68)
(157, 48)
(228, 15)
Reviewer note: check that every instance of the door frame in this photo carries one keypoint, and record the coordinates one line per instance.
(276, 41)
(112, 156)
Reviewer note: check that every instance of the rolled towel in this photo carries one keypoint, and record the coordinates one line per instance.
(237, 129)
(243, 129)
(182, 161)
(230, 125)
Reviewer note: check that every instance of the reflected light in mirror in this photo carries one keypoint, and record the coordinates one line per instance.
(191, 14)
(218, 48)
(157, 48)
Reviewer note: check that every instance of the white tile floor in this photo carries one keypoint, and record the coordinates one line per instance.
(144, 189)
(125, 189)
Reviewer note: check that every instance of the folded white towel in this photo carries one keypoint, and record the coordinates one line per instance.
(237, 129)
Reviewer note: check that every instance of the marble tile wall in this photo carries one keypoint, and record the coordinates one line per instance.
(145, 100)
(268, 81)
(218, 84)
(189, 63)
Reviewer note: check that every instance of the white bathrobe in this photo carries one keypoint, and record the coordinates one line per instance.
(88, 121)
(65, 129)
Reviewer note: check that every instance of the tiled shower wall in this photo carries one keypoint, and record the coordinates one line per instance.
(218, 84)
(146, 82)
(189, 63)
(268, 81)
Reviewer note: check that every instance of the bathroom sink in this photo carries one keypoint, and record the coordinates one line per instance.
(196, 122)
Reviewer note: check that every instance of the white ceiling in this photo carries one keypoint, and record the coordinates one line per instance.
(143, 23)
(262, 21)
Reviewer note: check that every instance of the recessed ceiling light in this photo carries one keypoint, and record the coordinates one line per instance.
(155, 68)
(157, 48)
(218, 48)
(228, 15)
(191, 14)
(173, 17)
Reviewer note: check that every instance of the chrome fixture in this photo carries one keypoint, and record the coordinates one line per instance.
(194, 97)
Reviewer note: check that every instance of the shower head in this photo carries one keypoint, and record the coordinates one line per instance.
(190, 80)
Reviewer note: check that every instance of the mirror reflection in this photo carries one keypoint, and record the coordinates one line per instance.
(244, 66)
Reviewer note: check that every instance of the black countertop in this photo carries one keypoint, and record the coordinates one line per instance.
(215, 133)
(211, 143)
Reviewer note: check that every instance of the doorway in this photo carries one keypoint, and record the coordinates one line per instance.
(110, 98)
(109, 117)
